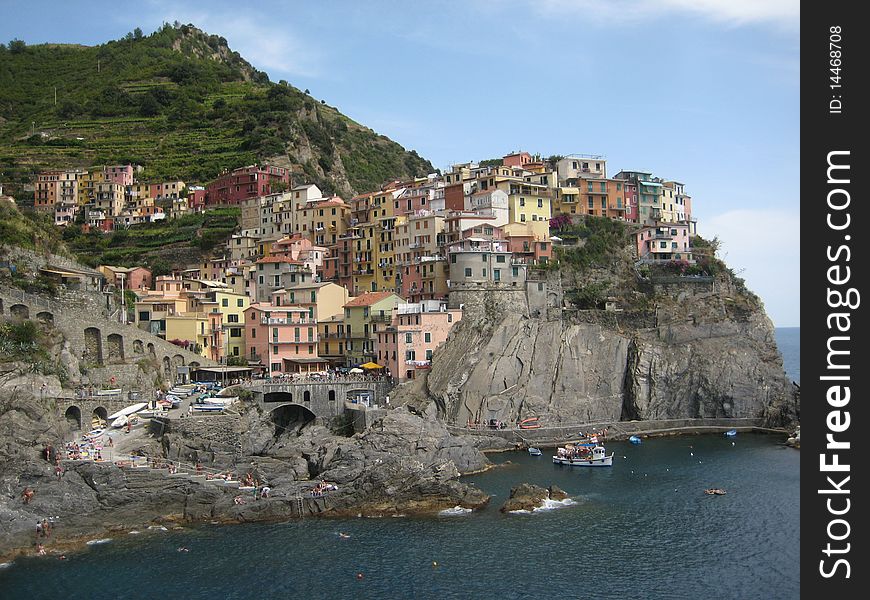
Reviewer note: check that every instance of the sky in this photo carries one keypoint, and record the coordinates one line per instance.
(705, 92)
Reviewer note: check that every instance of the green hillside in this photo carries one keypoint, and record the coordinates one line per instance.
(183, 105)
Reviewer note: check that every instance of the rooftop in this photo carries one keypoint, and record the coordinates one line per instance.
(368, 299)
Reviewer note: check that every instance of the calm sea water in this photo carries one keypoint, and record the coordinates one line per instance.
(643, 529)
(788, 339)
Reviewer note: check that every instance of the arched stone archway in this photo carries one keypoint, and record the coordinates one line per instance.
(115, 344)
(194, 364)
(290, 417)
(177, 361)
(138, 347)
(306, 397)
(332, 395)
(151, 350)
(1, 306)
(73, 416)
(99, 418)
(167, 368)
(94, 345)
(45, 317)
(19, 312)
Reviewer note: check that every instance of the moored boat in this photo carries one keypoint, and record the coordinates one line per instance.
(634, 439)
(530, 423)
(535, 451)
(583, 455)
(731, 433)
(119, 422)
(127, 411)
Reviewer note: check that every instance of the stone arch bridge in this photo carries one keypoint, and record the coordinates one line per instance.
(322, 399)
(84, 414)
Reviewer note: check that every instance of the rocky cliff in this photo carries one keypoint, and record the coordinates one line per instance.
(680, 348)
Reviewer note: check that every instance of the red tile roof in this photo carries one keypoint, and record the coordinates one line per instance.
(368, 299)
(279, 259)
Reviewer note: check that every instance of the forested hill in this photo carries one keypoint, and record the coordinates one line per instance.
(184, 105)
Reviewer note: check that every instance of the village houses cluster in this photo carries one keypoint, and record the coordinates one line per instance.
(310, 282)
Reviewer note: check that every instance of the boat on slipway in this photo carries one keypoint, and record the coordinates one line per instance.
(583, 455)
(133, 408)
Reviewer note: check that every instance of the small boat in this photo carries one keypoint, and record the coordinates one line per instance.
(218, 401)
(535, 451)
(731, 433)
(715, 492)
(127, 411)
(207, 407)
(530, 423)
(584, 455)
(120, 422)
(634, 439)
(110, 392)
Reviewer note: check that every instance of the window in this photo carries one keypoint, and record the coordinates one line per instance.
(310, 349)
(314, 296)
(449, 318)
(235, 350)
(515, 271)
(240, 303)
(452, 259)
(144, 315)
(235, 332)
(522, 218)
(500, 258)
(540, 203)
(253, 333)
(484, 272)
(496, 274)
(409, 338)
(522, 201)
(663, 244)
(427, 337)
(468, 272)
(276, 366)
(225, 302)
(428, 355)
(673, 232)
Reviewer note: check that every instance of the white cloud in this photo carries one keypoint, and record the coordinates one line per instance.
(734, 12)
(268, 44)
(763, 247)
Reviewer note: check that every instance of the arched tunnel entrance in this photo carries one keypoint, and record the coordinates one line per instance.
(73, 416)
(291, 417)
(99, 418)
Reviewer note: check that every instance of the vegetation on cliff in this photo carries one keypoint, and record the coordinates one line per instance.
(160, 245)
(181, 103)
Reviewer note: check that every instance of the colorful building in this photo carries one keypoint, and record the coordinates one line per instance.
(407, 344)
(664, 242)
(246, 182)
(281, 338)
(364, 316)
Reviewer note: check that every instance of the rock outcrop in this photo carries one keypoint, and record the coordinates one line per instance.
(692, 353)
(528, 497)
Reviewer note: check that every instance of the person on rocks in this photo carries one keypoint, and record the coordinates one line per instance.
(39, 532)
(46, 528)
(40, 550)
(58, 470)
(27, 495)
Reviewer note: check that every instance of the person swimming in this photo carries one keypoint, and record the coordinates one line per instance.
(341, 534)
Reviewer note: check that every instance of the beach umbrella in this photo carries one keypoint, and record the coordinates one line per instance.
(371, 366)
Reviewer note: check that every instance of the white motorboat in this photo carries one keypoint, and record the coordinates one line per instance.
(111, 392)
(535, 451)
(219, 400)
(207, 407)
(583, 455)
(127, 411)
(120, 421)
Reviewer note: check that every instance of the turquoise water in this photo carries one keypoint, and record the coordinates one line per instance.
(788, 339)
(643, 528)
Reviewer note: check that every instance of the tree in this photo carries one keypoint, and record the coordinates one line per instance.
(17, 46)
(137, 34)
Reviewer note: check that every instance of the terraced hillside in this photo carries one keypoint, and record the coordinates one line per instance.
(183, 105)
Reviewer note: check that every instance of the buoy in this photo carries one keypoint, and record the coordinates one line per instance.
(434, 563)
(359, 575)
(691, 454)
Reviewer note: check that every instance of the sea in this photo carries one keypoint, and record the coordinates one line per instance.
(641, 529)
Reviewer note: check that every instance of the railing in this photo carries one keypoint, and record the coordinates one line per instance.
(381, 318)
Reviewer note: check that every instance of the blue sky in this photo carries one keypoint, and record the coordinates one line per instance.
(702, 91)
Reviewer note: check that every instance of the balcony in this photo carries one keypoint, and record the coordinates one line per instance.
(275, 321)
(381, 318)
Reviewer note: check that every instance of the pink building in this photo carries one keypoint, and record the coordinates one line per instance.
(120, 174)
(246, 182)
(281, 338)
(664, 242)
(517, 159)
(407, 345)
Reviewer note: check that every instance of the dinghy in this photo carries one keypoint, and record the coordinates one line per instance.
(127, 411)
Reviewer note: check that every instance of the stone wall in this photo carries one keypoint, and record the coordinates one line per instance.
(98, 341)
(223, 431)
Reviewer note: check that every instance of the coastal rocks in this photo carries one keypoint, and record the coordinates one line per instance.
(528, 497)
(794, 440)
(710, 355)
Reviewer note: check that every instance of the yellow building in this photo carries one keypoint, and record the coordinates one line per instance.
(363, 317)
(331, 338)
(321, 299)
(232, 307)
(88, 181)
(527, 202)
(190, 327)
(566, 201)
